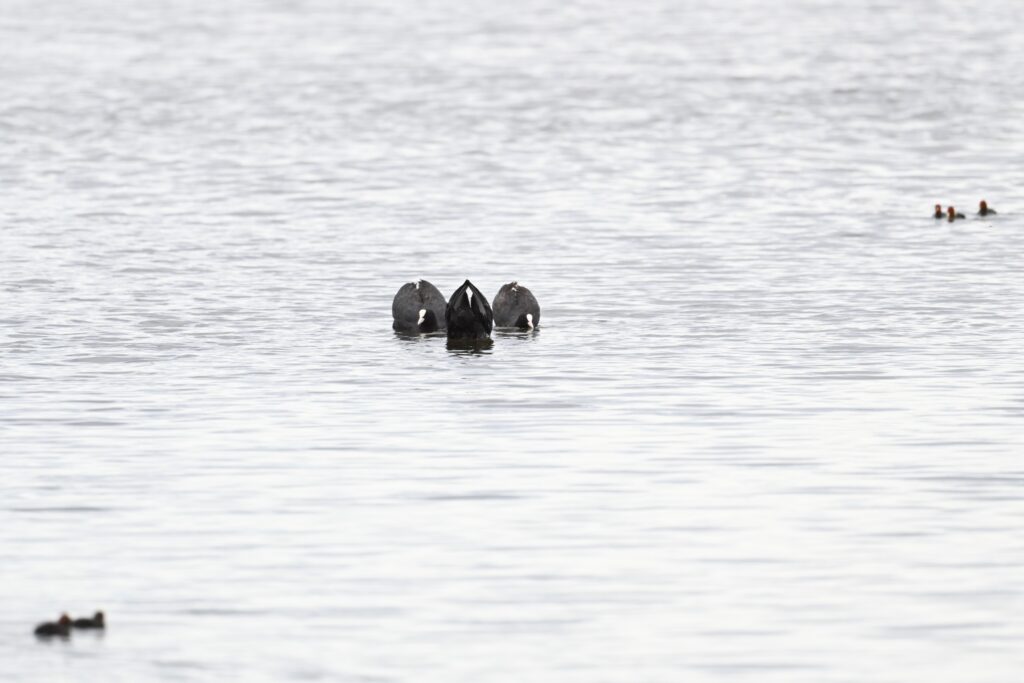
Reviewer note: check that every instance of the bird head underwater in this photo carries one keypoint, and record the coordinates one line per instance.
(515, 306)
(418, 308)
(468, 315)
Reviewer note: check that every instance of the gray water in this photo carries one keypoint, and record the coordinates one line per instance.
(769, 429)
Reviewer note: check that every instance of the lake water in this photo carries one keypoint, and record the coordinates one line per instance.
(770, 428)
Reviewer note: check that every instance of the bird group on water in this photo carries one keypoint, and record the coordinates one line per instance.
(65, 624)
(420, 308)
(951, 214)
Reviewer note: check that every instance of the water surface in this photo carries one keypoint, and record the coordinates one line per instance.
(770, 427)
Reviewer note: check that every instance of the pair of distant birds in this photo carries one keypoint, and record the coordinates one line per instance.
(419, 308)
(63, 626)
(952, 214)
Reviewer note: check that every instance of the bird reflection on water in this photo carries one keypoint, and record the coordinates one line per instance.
(416, 337)
(473, 346)
(470, 347)
(516, 333)
(463, 346)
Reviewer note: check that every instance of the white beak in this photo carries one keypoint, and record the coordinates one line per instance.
(423, 316)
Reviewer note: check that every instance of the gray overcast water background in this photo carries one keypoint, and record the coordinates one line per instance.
(771, 426)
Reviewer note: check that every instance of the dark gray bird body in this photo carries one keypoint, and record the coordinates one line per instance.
(97, 620)
(61, 627)
(468, 314)
(418, 307)
(516, 306)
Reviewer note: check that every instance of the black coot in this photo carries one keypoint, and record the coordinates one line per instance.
(468, 314)
(516, 306)
(418, 307)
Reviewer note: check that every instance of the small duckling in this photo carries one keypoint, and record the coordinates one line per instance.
(95, 621)
(938, 211)
(954, 214)
(61, 627)
(983, 209)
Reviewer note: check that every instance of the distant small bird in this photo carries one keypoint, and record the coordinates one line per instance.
(954, 214)
(95, 621)
(983, 209)
(938, 211)
(61, 627)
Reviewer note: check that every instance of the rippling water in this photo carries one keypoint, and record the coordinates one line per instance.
(769, 430)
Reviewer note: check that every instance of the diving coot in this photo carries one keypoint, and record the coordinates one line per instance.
(418, 307)
(516, 306)
(468, 314)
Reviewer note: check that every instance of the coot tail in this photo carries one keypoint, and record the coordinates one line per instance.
(468, 315)
(418, 307)
(516, 306)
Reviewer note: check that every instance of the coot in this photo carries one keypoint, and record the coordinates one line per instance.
(468, 314)
(516, 306)
(418, 307)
